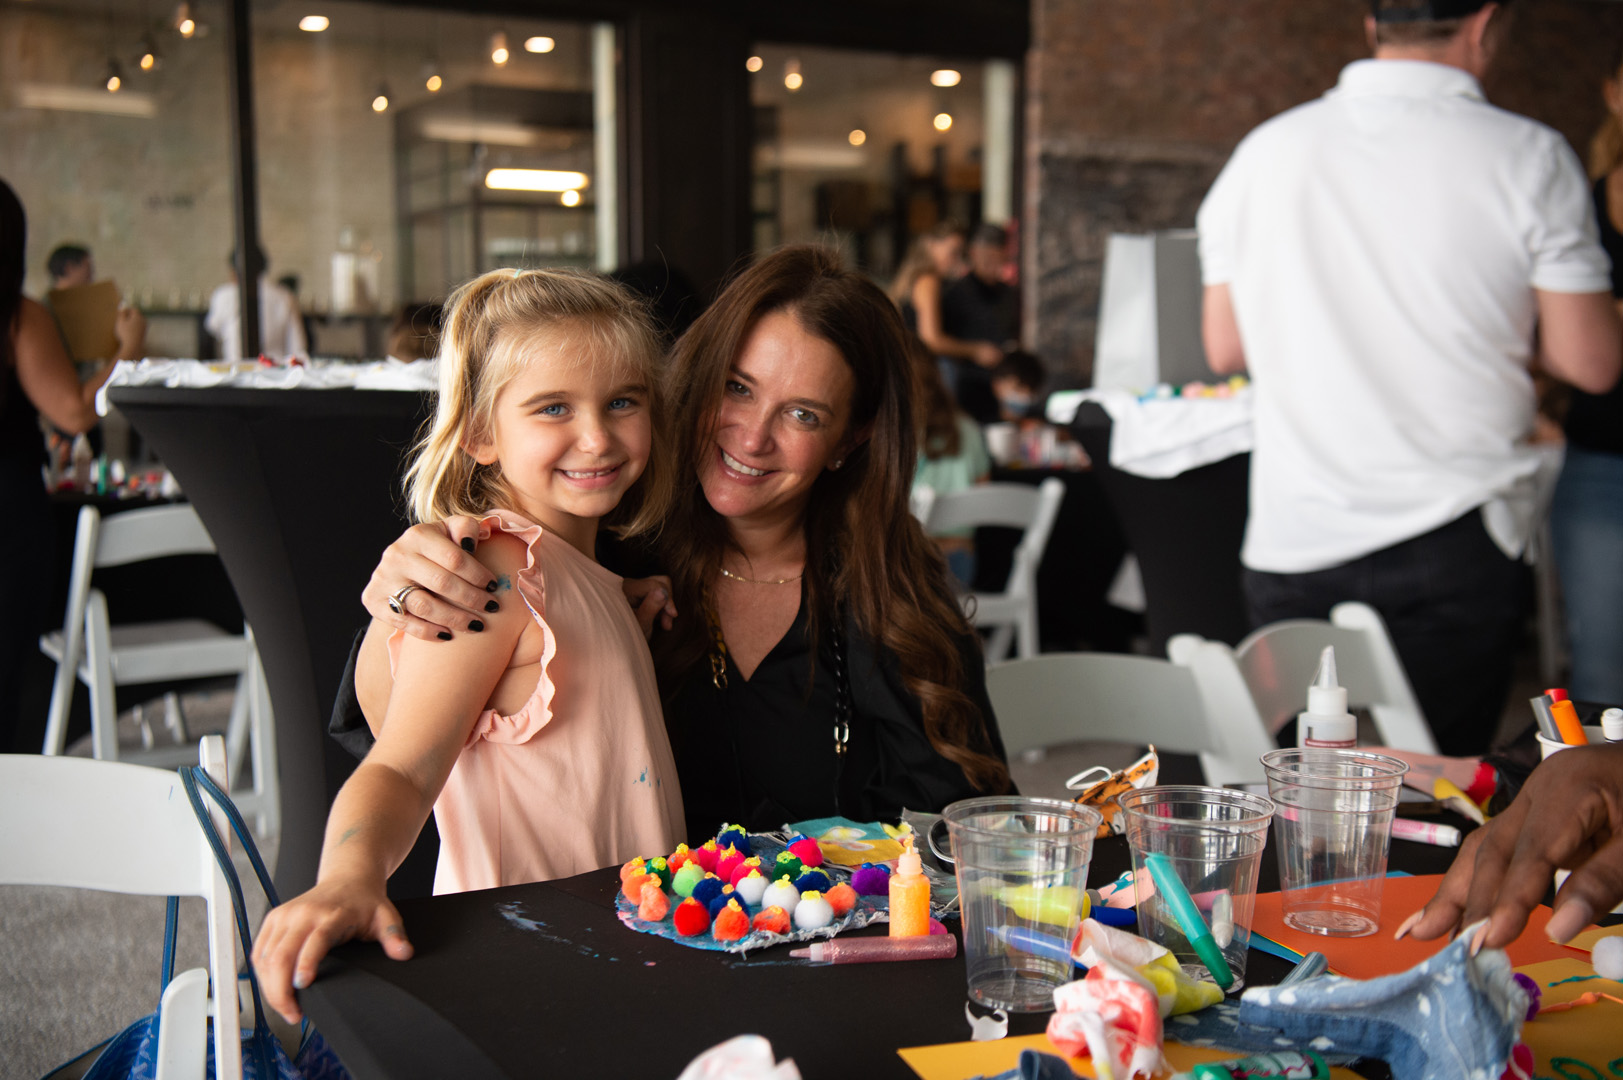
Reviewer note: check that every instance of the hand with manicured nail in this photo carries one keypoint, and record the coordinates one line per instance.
(1568, 816)
(453, 587)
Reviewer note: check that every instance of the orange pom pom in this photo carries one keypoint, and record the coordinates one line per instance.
(678, 858)
(629, 868)
(634, 883)
(731, 922)
(774, 920)
(655, 904)
(842, 898)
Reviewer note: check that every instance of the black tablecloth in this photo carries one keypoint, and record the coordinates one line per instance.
(300, 490)
(544, 980)
(1186, 532)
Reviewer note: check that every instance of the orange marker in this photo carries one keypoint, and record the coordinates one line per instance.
(1566, 722)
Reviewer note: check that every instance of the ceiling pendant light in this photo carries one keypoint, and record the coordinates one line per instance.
(539, 44)
(943, 121)
(792, 79)
(149, 58)
(380, 100)
(184, 22)
(431, 75)
(113, 77)
(498, 48)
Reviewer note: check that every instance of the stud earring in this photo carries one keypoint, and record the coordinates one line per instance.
(836, 463)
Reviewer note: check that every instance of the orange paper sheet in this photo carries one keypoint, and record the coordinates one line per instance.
(959, 1061)
(1592, 1034)
(1377, 954)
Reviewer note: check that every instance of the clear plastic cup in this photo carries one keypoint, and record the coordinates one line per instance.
(1022, 868)
(1546, 747)
(1332, 828)
(1211, 839)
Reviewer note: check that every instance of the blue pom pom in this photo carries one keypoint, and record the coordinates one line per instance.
(814, 879)
(707, 890)
(871, 880)
(720, 901)
(737, 837)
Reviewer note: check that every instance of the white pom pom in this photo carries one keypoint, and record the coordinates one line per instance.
(1608, 958)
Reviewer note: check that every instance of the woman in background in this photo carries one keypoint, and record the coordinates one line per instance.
(1586, 518)
(935, 259)
(37, 378)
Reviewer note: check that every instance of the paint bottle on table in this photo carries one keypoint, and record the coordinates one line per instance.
(909, 895)
(1326, 725)
(1611, 725)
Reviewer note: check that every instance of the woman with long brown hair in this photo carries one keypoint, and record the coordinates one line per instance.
(820, 664)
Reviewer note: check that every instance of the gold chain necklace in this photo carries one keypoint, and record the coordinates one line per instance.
(759, 581)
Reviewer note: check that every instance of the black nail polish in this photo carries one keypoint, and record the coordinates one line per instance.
(467, 543)
(491, 605)
(444, 635)
(476, 626)
(490, 587)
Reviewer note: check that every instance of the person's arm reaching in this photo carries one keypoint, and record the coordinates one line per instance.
(437, 696)
(1580, 339)
(1568, 816)
(1220, 331)
(927, 308)
(47, 375)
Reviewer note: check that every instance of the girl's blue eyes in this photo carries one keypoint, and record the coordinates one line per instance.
(554, 409)
(558, 408)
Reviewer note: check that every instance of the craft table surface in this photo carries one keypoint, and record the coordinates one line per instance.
(543, 980)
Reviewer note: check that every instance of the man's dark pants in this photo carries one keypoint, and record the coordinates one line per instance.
(1454, 605)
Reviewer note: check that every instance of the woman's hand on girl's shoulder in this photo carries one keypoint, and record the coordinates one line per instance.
(453, 587)
(295, 936)
(651, 599)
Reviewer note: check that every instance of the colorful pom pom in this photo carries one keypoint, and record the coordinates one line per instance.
(655, 904)
(725, 896)
(679, 858)
(683, 880)
(691, 918)
(708, 889)
(813, 912)
(774, 920)
(630, 867)
(731, 922)
(871, 879)
(781, 893)
(634, 884)
(750, 887)
(659, 867)
(842, 898)
(807, 851)
(734, 835)
(706, 854)
(727, 862)
(813, 881)
(788, 863)
(1529, 984)
(742, 870)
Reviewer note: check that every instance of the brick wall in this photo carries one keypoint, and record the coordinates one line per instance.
(1134, 105)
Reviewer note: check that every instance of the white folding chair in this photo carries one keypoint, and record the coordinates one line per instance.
(1011, 613)
(1114, 697)
(91, 650)
(130, 829)
(1277, 663)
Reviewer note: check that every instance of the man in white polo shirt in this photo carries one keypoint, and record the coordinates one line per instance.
(1379, 259)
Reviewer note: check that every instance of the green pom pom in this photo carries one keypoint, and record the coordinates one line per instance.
(789, 864)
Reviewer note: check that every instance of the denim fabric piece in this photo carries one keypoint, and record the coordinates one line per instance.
(1035, 1065)
(1219, 1027)
(1452, 1017)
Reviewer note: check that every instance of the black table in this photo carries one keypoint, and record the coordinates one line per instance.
(543, 980)
(300, 490)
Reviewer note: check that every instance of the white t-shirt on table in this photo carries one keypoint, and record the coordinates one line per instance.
(1381, 246)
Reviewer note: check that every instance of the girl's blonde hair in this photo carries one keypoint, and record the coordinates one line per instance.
(488, 323)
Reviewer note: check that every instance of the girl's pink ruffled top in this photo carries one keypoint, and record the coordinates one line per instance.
(582, 776)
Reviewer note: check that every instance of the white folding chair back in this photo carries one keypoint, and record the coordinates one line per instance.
(91, 649)
(1113, 697)
(1011, 613)
(920, 500)
(1277, 662)
(129, 828)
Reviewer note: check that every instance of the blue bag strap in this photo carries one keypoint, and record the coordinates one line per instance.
(240, 829)
(171, 926)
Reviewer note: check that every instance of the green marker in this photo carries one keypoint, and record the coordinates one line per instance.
(1188, 915)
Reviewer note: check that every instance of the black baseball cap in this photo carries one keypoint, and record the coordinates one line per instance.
(1424, 10)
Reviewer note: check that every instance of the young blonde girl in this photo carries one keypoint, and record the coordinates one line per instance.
(536, 736)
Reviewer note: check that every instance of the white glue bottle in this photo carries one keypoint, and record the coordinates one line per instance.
(1326, 725)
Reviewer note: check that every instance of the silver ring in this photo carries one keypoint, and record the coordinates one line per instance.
(397, 602)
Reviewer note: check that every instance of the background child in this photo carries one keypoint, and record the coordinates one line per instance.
(536, 736)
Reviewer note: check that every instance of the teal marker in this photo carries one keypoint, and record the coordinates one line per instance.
(1188, 915)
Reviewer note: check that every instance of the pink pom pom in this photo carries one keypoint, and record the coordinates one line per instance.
(727, 861)
(807, 851)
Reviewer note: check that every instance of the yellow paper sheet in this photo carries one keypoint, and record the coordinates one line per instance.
(1590, 1033)
(959, 1061)
(1586, 940)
